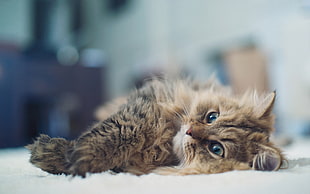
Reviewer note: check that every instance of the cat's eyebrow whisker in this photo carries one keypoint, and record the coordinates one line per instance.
(185, 109)
(172, 110)
(178, 114)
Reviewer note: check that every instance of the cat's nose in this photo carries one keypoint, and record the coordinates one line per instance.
(189, 132)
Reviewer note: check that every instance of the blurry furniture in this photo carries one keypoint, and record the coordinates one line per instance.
(38, 97)
(247, 69)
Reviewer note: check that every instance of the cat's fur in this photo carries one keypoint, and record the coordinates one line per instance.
(163, 128)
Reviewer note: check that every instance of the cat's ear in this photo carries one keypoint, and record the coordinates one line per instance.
(268, 159)
(265, 106)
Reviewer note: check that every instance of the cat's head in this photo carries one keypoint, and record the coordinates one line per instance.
(222, 133)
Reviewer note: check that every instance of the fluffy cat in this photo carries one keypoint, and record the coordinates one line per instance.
(170, 128)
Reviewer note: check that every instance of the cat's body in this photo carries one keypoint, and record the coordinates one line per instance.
(170, 128)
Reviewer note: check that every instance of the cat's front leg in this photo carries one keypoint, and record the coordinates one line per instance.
(203, 168)
(176, 171)
(88, 158)
(96, 151)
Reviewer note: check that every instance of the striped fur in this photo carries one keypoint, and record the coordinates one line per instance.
(148, 132)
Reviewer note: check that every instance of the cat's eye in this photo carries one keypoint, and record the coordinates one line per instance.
(211, 117)
(216, 148)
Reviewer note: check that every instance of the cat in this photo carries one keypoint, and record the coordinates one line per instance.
(167, 127)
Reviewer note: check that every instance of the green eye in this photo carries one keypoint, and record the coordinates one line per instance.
(211, 117)
(216, 148)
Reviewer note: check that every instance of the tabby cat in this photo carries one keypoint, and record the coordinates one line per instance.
(170, 128)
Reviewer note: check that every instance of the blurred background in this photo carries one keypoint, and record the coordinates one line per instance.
(61, 59)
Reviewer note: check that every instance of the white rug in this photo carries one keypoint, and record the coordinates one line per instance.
(17, 175)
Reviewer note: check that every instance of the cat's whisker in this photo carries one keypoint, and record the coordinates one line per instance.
(185, 108)
(179, 115)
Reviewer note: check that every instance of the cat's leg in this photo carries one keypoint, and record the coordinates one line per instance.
(211, 167)
(176, 171)
(102, 148)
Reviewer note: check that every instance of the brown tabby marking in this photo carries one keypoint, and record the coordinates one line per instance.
(176, 128)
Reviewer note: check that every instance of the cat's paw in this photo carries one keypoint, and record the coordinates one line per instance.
(49, 154)
(79, 169)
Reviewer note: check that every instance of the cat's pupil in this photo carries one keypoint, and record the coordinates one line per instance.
(217, 149)
(211, 117)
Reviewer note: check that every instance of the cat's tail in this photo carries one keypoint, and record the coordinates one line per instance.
(51, 154)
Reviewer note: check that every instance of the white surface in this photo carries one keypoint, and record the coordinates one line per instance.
(17, 175)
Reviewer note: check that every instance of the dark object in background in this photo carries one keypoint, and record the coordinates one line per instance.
(116, 6)
(34, 95)
(37, 94)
